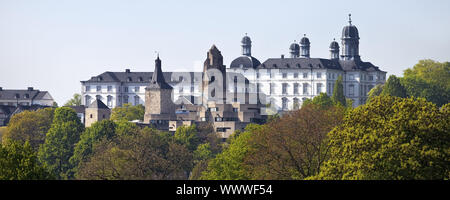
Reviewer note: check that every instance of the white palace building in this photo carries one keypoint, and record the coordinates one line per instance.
(285, 82)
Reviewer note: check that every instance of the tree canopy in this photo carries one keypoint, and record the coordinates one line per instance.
(128, 112)
(391, 138)
(393, 87)
(31, 126)
(75, 101)
(19, 162)
(60, 142)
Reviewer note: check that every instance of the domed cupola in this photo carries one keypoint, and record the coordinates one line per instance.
(305, 47)
(294, 50)
(350, 41)
(334, 49)
(246, 45)
(245, 61)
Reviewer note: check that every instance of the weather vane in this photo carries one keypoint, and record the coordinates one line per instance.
(350, 19)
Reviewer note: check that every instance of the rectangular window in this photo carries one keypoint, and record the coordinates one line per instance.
(305, 75)
(125, 89)
(109, 101)
(272, 88)
(136, 89)
(99, 88)
(295, 75)
(319, 75)
(305, 88)
(370, 78)
(284, 75)
(180, 89)
(235, 109)
(285, 85)
(109, 88)
(295, 88)
(351, 90)
(136, 100)
(125, 99)
(319, 88)
(214, 109)
(351, 77)
(88, 88)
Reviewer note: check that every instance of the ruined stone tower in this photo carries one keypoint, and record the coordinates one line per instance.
(214, 77)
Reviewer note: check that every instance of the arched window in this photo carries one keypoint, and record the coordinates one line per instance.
(296, 104)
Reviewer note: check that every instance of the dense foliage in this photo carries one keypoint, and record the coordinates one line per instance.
(19, 162)
(60, 142)
(31, 126)
(128, 112)
(391, 138)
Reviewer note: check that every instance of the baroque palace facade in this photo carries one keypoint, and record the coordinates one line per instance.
(285, 82)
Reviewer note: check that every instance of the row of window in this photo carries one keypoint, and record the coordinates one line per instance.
(305, 88)
(109, 100)
(109, 88)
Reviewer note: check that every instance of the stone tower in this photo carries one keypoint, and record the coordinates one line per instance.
(159, 107)
(96, 111)
(214, 77)
(350, 42)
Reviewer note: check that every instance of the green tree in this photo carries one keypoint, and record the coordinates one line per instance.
(375, 91)
(394, 88)
(128, 112)
(188, 136)
(104, 129)
(229, 165)
(60, 141)
(31, 126)
(151, 154)
(338, 93)
(294, 147)
(75, 101)
(391, 138)
(430, 80)
(19, 162)
(323, 100)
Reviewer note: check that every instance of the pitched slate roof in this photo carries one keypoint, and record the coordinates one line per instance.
(22, 94)
(317, 63)
(98, 104)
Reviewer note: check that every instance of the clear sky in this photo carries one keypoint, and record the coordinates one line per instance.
(54, 44)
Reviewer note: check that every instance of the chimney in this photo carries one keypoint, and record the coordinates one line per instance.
(127, 70)
(282, 56)
(30, 88)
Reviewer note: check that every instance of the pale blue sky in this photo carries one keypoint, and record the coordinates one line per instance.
(54, 44)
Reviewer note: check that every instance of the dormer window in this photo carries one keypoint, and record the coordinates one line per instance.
(17, 96)
(27, 96)
(140, 79)
(99, 78)
(129, 79)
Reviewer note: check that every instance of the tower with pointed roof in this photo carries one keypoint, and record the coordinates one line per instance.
(96, 111)
(159, 107)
